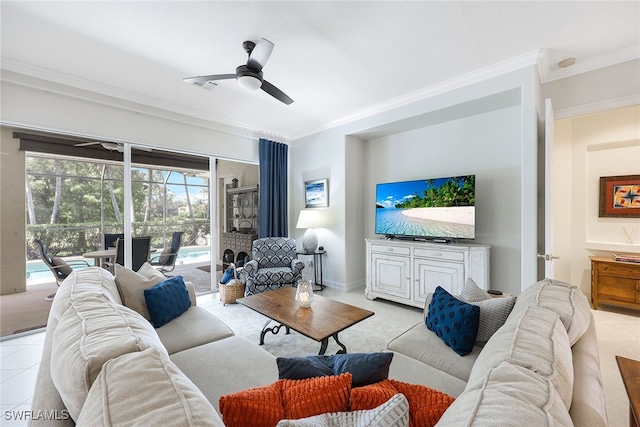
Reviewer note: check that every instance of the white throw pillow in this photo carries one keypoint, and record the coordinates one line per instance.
(493, 311)
(393, 413)
(146, 388)
(131, 286)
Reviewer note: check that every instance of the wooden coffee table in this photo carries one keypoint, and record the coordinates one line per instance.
(323, 320)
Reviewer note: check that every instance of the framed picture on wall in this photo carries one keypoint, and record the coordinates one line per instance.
(316, 193)
(620, 196)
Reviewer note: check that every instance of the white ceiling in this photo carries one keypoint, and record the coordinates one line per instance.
(337, 60)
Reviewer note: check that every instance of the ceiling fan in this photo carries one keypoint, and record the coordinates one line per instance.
(249, 76)
(111, 146)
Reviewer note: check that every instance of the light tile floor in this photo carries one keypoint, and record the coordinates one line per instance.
(618, 334)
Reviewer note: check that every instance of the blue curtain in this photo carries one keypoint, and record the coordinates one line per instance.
(273, 189)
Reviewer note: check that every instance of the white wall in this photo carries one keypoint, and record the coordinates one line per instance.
(322, 155)
(38, 104)
(484, 145)
(586, 148)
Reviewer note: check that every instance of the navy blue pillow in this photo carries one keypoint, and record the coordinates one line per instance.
(167, 300)
(454, 321)
(365, 368)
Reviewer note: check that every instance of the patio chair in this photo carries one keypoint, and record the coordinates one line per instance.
(166, 261)
(60, 268)
(109, 239)
(140, 246)
(274, 265)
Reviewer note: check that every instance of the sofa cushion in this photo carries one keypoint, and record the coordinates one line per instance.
(509, 395)
(229, 365)
(365, 368)
(421, 344)
(286, 399)
(493, 311)
(426, 405)
(131, 286)
(180, 334)
(93, 282)
(162, 394)
(91, 332)
(167, 300)
(407, 369)
(563, 298)
(392, 413)
(454, 321)
(536, 341)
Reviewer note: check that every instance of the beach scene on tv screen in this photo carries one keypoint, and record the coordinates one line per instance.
(443, 207)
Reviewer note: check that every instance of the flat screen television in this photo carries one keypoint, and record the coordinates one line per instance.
(430, 209)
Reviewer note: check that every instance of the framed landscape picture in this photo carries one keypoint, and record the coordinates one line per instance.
(620, 196)
(316, 193)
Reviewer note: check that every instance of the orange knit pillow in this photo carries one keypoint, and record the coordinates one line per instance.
(372, 395)
(426, 405)
(258, 407)
(315, 396)
(286, 399)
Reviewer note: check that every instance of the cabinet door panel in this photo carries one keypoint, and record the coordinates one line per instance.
(618, 289)
(391, 275)
(430, 274)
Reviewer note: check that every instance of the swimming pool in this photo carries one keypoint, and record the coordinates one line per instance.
(38, 272)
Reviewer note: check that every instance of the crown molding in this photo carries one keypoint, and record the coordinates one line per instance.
(596, 107)
(551, 72)
(27, 75)
(516, 63)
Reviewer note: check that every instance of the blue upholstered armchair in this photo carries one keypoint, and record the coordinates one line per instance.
(274, 264)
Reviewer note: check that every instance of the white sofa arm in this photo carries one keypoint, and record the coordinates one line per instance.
(192, 293)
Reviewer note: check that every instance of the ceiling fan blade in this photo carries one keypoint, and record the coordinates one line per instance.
(275, 92)
(204, 79)
(84, 144)
(260, 55)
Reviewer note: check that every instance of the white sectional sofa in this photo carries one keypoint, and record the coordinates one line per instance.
(541, 368)
(105, 364)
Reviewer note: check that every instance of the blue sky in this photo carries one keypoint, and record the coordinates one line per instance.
(389, 194)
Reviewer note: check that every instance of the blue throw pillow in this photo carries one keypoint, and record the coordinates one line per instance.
(167, 300)
(365, 368)
(454, 321)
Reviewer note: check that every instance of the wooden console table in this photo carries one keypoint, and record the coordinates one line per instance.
(614, 282)
(630, 373)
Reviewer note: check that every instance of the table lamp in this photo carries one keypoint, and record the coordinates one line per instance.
(309, 219)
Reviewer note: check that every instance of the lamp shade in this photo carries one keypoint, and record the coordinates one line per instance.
(310, 218)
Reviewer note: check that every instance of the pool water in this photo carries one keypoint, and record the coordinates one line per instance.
(38, 272)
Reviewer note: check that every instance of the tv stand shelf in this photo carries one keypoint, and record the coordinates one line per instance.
(406, 271)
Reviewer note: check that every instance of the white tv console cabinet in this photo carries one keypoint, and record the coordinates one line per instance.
(406, 271)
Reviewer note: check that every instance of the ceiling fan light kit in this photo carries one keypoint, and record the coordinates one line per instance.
(249, 76)
(248, 79)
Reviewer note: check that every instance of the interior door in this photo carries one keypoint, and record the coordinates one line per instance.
(548, 255)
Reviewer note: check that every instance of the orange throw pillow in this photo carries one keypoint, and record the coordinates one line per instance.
(426, 405)
(286, 399)
(315, 396)
(258, 407)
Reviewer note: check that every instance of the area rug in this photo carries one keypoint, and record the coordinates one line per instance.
(370, 335)
(25, 311)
